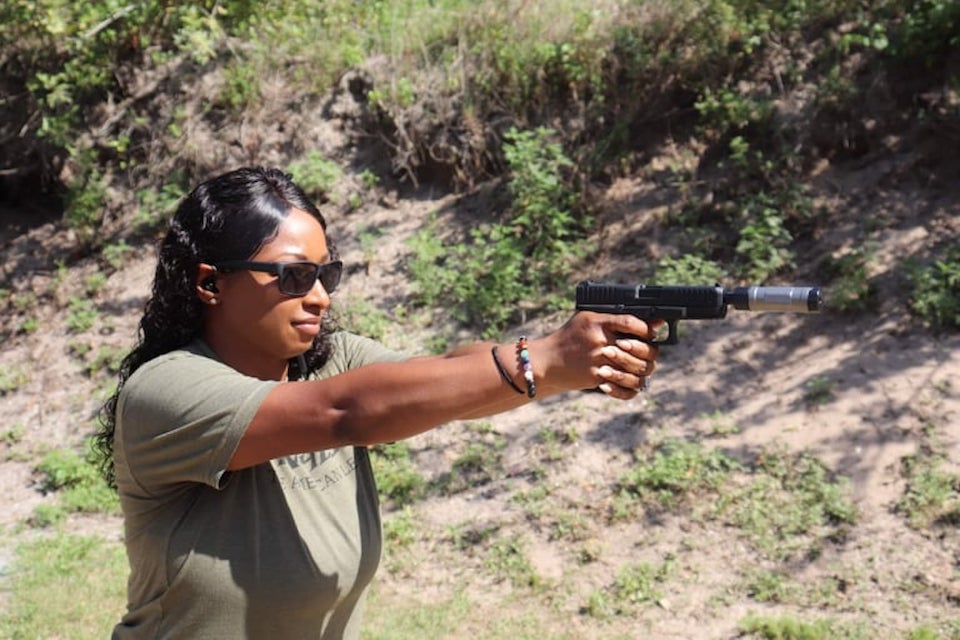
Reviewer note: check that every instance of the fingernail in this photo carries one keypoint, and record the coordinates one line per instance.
(623, 344)
(605, 371)
(605, 387)
(609, 351)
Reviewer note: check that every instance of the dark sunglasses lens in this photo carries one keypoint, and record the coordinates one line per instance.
(330, 275)
(298, 279)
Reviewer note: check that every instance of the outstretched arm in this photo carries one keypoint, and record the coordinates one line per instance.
(385, 402)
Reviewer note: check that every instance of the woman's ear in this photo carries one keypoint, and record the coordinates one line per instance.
(206, 283)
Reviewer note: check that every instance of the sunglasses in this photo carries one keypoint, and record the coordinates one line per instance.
(294, 278)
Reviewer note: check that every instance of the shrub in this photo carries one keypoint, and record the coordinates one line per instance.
(936, 291)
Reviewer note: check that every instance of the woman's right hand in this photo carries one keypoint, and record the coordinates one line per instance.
(593, 350)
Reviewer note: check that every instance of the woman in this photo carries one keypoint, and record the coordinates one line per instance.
(237, 436)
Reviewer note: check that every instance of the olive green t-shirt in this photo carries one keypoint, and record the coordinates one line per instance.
(284, 549)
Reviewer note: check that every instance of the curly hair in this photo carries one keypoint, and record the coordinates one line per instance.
(228, 217)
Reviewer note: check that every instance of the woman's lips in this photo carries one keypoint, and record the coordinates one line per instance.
(310, 327)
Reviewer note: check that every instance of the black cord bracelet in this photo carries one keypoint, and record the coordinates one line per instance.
(503, 372)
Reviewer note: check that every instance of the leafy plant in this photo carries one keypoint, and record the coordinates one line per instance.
(935, 291)
(507, 559)
(316, 175)
(81, 315)
(851, 289)
(633, 585)
(480, 463)
(789, 627)
(818, 391)
(688, 269)
(764, 240)
(932, 494)
(78, 482)
(398, 479)
(790, 503)
(11, 379)
(675, 471)
(524, 257)
(363, 318)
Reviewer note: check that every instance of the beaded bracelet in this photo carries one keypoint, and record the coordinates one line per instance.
(524, 356)
(503, 372)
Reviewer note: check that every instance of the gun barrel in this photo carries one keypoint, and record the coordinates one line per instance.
(789, 299)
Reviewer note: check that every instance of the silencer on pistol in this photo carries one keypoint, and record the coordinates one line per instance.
(790, 299)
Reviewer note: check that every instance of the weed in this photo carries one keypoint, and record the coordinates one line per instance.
(932, 495)
(524, 257)
(157, 205)
(316, 175)
(94, 283)
(633, 585)
(77, 481)
(851, 289)
(398, 479)
(935, 290)
(791, 628)
(721, 424)
(688, 269)
(11, 379)
(480, 463)
(29, 325)
(789, 505)
(673, 473)
(770, 586)
(241, 86)
(81, 315)
(116, 253)
(764, 239)
(106, 359)
(507, 560)
(818, 391)
(400, 529)
(14, 435)
(362, 317)
(466, 537)
(555, 438)
(86, 203)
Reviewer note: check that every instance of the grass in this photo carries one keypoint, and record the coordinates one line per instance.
(64, 586)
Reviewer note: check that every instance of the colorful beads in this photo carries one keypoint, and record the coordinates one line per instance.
(523, 354)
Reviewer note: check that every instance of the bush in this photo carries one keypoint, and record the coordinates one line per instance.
(483, 279)
(936, 291)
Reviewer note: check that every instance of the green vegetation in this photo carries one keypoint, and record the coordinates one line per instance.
(935, 291)
(673, 473)
(64, 586)
(78, 485)
(398, 479)
(11, 379)
(527, 256)
(785, 504)
(633, 586)
(932, 495)
(792, 628)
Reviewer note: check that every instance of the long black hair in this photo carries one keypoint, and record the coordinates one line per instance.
(228, 217)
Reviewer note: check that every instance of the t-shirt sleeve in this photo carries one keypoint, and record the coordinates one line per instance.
(351, 351)
(180, 419)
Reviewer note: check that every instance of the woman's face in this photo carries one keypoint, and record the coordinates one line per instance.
(254, 326)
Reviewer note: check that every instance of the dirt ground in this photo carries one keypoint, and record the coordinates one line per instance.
(889, 384)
